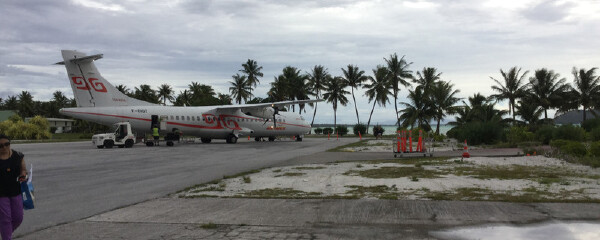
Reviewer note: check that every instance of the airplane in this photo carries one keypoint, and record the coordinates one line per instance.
(100, 102)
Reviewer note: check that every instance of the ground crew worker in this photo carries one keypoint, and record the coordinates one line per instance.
(155, 135)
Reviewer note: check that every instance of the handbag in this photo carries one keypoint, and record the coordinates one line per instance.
(27, 191)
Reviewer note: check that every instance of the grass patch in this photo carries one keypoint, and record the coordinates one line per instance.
(527, 195)
(308, 168)
(242, 174)
(378, 191)
(291, 174)
(394, 172)
(209, 225)
(412, 161)
(279, 193)
(247, 179)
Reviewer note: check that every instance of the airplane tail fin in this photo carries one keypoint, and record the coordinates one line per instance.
(89, 87)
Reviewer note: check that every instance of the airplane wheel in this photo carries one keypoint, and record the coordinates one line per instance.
(205, 140)
(257, 139)
(108, 144)
(149, 144)
(101, 146)
(129, 143)
(271, 139)
(298, 139)
(170, 144)
(231, 139)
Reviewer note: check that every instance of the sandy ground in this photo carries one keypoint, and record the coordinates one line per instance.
(560, 180)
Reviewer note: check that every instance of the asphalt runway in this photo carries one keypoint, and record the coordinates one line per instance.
(76, 180)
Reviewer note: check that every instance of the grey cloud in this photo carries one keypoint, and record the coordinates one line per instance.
(548, 11)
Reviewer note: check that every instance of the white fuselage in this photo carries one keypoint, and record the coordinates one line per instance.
(204, 122)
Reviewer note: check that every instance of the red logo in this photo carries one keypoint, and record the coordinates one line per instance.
(98, 86)
(80, 83)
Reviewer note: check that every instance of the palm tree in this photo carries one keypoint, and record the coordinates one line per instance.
(165, 92)
(252, 71)
(530, 113)
(427, 79)
(587, 87)
(279, 89)
(11, 103)
(512, 89)
(296, 84)
(25, 107)
(122, 88)
(378, 90)
(418, 110)
(354, 78)
(316, 83)
(183, 99)
(146, 93)
(240, 88)
(546, 89)
(224, 99)
(443, 99)
(335, 93)
(397, 73)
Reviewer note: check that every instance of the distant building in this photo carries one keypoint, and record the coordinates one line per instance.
(4, 115)
(574, 117)
(62, 125)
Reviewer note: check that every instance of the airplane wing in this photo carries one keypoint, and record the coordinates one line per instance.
(263, 110)
(263, 105)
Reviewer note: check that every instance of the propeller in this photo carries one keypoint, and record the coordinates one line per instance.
(275, 112)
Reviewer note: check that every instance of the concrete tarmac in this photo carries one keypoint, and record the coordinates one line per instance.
(134, 201)
(217, 218)
(76, 180)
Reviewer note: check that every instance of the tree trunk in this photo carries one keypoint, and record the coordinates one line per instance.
(369, 122)
(513, 112)
(437, 129)
(396, 106)
(315, 113)
(545, 114)
(355, 108)
(584, 117)
(334, 119)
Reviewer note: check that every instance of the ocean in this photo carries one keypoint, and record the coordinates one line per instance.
(389, 129)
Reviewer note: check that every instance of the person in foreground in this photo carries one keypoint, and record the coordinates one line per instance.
(12, 173)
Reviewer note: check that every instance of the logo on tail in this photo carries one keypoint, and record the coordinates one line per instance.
(89, 87)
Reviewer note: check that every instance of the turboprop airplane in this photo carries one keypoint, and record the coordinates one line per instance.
(99, 101)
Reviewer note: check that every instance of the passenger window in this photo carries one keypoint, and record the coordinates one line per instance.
(176, 117)
(188, 118)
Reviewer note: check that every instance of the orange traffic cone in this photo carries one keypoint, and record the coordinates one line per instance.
(466, 151)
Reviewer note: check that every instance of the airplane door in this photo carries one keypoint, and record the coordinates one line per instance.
(154, 122)
(163, 122)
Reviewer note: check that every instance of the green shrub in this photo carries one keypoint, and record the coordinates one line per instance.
(518, 134)
(318, 130)
(590, 124)
(574, 149)
(569, 132)
(544, 134)
(359, 127)
(595, 149)
(341, 130)
(378, 129)
(327, 130)
(477, 132)
(595, 134)
(558, 143)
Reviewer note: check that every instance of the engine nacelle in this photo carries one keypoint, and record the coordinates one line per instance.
(266, 112)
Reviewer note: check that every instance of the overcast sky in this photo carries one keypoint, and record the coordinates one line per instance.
(177, 42)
